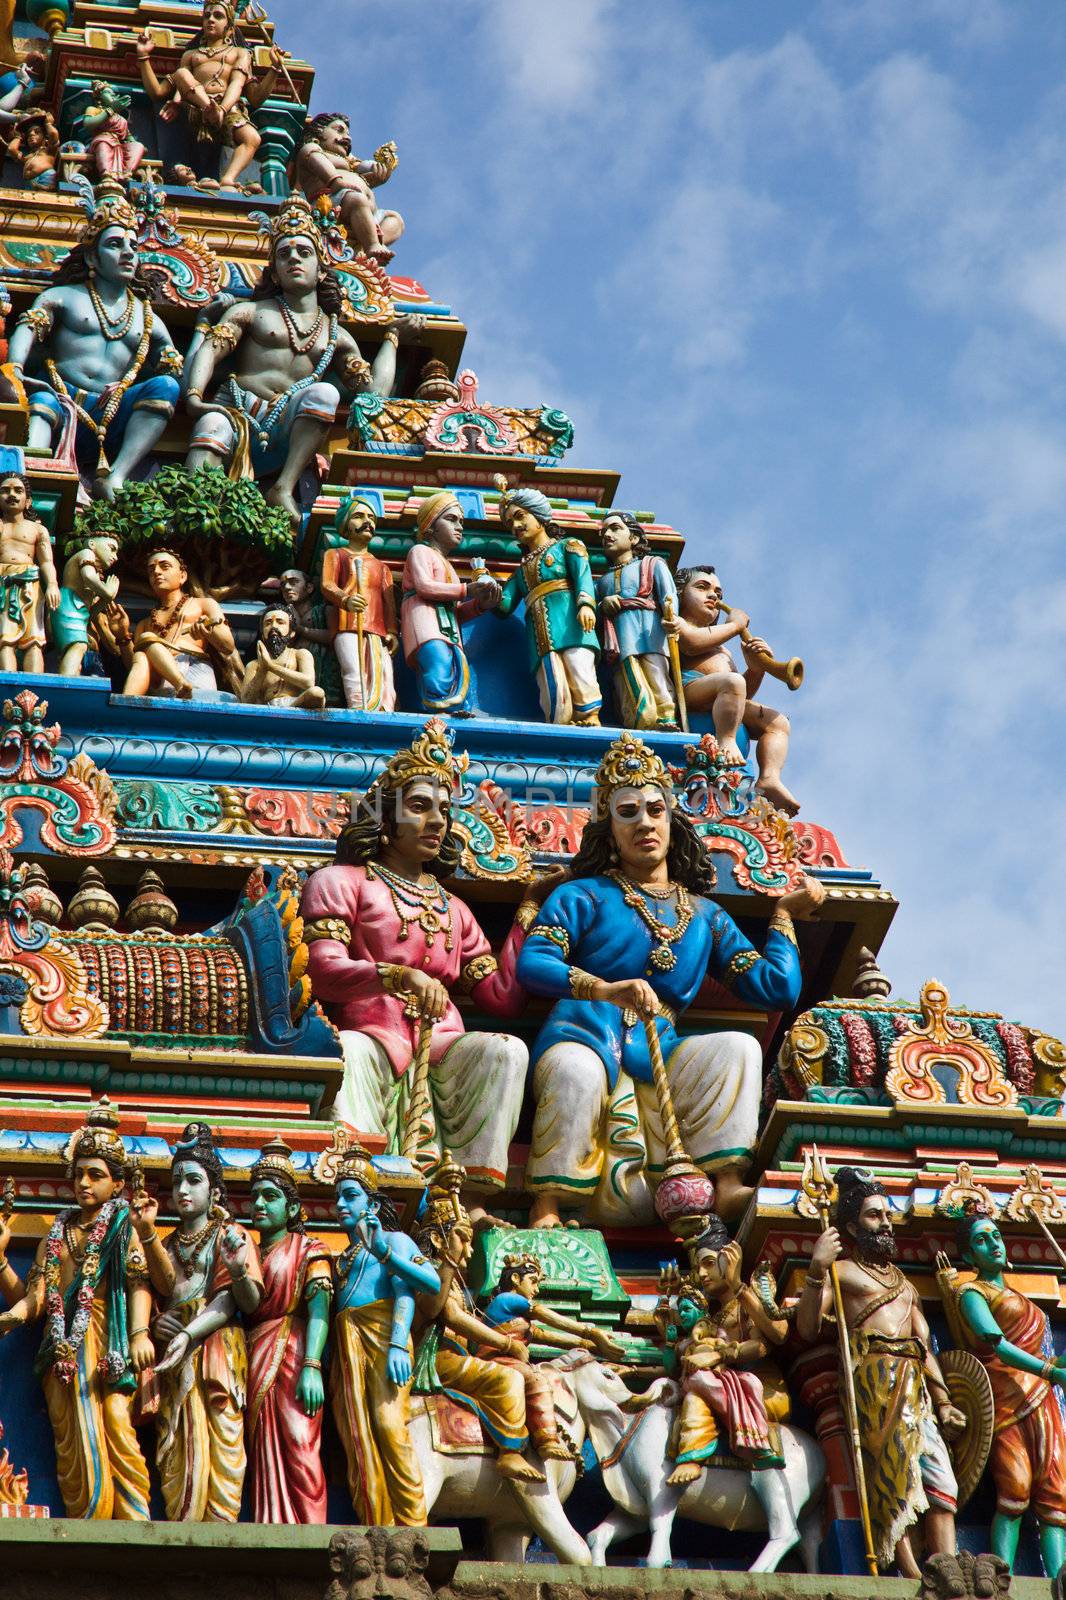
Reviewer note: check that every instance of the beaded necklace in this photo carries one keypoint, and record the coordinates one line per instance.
(662, 957)
(293, 333)
(428, 904)
(112, 328)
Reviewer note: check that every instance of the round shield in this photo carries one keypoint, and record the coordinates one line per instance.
(970, 1390)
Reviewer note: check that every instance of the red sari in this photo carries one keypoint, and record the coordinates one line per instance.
(288, 1483)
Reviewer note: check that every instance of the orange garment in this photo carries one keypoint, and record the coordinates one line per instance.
(339, 572)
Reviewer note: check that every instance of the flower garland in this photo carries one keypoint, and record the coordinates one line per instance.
(64, 1346)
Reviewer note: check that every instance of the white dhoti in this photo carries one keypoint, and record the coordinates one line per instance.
(368, 683)
(605, 1149)
(476, 1092)
(568, 685)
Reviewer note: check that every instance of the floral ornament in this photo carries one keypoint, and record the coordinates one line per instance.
(62, 1346)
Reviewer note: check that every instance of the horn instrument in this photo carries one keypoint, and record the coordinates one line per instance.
(789, 672)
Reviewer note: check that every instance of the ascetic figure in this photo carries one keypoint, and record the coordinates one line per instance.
(28, 587)
(435, 604)
(372, 1362)
(632, 936)
(313, 629)
(388, 944)
(90, 1285)
(1011, 1335)
(281, 674)
(282, 358)
(175, 648)
(325, 166)
(95, 337)
(638, 607)
(554, 580)
(287, 1335)
(712, 683)
(358, 587)
(202, 1379)
(899, 1387)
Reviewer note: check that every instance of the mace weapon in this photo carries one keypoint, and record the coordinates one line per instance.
(420, 1107)
(675, 666)
(816, 1186)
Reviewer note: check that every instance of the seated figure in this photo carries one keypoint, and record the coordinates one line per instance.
(281, 674)
(325, 166)
(173, 651)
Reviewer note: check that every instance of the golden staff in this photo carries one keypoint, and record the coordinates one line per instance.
(675, 1150)
(359, 632)
(816, 1185)
(674, 651)
(421, 1104)
(790, 671)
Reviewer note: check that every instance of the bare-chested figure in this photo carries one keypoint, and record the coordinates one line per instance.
(900, 1391)
(211, 82)
(712, 683)
(88, 599)
(27, 578)
(281, 674)
(325, 166)
(170, 651)
(276, 352)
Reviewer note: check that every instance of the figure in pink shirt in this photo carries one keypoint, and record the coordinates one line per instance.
(435, 604)
(387, 944)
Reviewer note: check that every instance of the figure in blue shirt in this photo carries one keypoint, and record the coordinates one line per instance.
(631, 937)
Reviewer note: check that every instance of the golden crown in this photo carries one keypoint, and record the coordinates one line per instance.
(112, 211)
(522, 1263)
(297, 219)
(444, 1208)
(628, 764)
(355, 1162)
(98, 1137)
(274, 1157)
(429, 755)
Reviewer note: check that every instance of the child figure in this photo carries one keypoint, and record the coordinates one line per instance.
(358, 587)
(513, 1311)
(88, 597)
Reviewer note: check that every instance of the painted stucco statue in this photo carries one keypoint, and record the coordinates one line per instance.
(91, 1286)
(278, 363)
(28, 587)
(88, 603)
(638, 612)
(313, 629)
(200, 1385)
(326, 168)
(372, 1362)
(1012, 1337)
(731, 1394)
(113, 151)
(713, 684)
(210, 84)
(287, 1335)
(93, 339)
(359, 591)
(177, 647)
(554, 580)
(904, 1407)
(435, 604)
(281, 673)
(36, 145)
(630, 938)
(387, 947)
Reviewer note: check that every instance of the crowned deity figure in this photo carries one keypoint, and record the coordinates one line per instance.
(113, 151)
(638, 607)
(900, 1392)
(272, 359)
(457, 1349)
(628, 940)
(90, 1283)
(388, 945)
(28, 586)
(287, 1334)
(728, 1385)
(1011, 1335)
(358, 588)
(212, 83)
(713, 684)
(91, 339)
(435, 604)
(326, 169)
(554, 580)
(372, 1363)
(201, 1384)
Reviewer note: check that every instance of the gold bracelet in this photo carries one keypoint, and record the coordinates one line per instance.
(781, 923)
(391, 336)
(582, 983)
(393, 980)
(135, 1331)
(526, 915)
(1048, 1370)
(153, 1238)
(309, 1361)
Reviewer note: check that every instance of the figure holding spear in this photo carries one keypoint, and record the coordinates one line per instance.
(897, 1402)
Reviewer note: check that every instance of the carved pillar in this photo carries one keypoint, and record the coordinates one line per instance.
(280, 123)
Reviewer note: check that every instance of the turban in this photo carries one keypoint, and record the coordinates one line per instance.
(531, 500)
(346, 505)
(430, 510)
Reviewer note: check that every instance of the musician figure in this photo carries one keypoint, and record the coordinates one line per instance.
(713, 684)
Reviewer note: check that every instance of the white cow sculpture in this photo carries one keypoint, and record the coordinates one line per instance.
(633, 1451)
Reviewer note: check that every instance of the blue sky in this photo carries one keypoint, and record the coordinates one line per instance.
(798, 270)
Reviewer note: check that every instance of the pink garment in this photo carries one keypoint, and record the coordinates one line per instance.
(346, 979)
(737, 1398)
(113, 155)
(288, 1483)
(429, 581)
